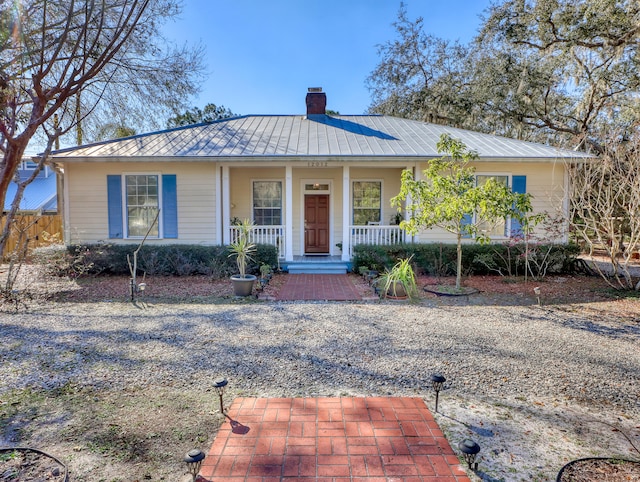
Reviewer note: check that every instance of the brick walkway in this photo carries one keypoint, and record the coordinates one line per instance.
(331, 439)
(332, 287)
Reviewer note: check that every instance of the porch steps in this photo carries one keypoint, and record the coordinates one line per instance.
(306, 267)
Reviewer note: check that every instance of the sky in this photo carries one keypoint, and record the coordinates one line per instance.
(262, 55)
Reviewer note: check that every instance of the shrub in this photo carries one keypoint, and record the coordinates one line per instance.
(175, 259)
(439, 259)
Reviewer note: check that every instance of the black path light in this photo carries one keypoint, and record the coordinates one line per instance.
(469, 450)
(194, 459)
(220, 385)
(437, 381)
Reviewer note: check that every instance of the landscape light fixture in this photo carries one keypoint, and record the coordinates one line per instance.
(220, 385)
(536, 290)
(470, 450)
(194, 459)
(437, 381)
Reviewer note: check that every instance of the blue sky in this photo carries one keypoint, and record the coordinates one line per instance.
(261, 55)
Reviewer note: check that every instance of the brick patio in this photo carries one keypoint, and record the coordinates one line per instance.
(333, 439)
(333, 287)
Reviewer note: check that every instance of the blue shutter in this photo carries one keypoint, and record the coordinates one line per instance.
(519, 186)
(467, 219)
(114, 205)
(169, 206)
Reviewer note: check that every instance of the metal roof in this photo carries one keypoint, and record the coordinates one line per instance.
(291, 136)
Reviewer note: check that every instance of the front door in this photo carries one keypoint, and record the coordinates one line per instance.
(316, 224)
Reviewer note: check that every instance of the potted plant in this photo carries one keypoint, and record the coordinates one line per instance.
(242, 248)
(399, 282)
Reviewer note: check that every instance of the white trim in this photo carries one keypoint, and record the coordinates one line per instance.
(226, 206)
(65, 205)
(346, 219)
(218, 201)
(565, 205)
(260, 179)
(303, 193)
(288, 212)
(125, 216)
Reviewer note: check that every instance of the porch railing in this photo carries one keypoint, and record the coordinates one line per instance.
(273, 235)
(377, 235)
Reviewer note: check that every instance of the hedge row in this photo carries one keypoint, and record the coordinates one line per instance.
(176, 260)
(440, 259)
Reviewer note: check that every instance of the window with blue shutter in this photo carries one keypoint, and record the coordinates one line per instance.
(114, 206)
(169, 206)
(519, 186)
(142, 193)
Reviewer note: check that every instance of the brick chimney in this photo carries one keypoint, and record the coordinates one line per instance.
(316, 101)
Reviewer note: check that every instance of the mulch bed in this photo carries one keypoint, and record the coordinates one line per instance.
(600, 470)
(491, 290)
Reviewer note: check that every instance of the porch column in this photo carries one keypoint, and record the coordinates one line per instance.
(218, 197)
(346, 218)
(226, 206)
(288, 214)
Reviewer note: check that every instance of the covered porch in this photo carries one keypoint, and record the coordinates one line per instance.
(312, 210)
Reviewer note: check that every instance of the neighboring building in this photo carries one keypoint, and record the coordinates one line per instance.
(313, 184)
(40, 196)
(37, 221)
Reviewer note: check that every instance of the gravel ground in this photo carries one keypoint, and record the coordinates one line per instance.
(535, 386)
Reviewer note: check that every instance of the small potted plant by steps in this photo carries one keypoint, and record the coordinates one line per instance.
(242, 248)
(399, 282)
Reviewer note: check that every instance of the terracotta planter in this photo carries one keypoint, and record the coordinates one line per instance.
(396, 291)
(243, 286)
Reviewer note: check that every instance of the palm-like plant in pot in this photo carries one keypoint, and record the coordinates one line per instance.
(242, 248)
(399, 282)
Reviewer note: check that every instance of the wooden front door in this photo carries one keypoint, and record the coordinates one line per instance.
(316, 224)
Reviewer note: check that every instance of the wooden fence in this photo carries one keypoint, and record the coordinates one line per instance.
(40, 229)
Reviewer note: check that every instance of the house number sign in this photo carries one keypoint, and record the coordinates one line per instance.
(317, 164)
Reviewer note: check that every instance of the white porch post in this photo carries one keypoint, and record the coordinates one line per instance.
(346, 218)
(288, 209)
(226, 206)
(218, 197)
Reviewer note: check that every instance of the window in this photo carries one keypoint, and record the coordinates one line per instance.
(133, 201)
(498, 228)
(142, 205)
(367, 197)
(267, 203)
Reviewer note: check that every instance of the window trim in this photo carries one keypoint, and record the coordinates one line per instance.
(507, 221)
(378, 180)
(282, 198)
(125, 214)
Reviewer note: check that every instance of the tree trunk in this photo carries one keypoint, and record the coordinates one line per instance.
(459, 262)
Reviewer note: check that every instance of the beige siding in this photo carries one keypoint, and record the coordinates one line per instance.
(87, 195)
(87, 200)
(545, 182)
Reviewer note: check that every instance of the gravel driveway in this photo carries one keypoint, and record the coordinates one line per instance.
(509, 369)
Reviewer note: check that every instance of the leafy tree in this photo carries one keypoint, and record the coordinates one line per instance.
(448, 196)
(210, 113)
(420, 76)
(567, 68)
(556, 71)
(113, 130)
(65, 63)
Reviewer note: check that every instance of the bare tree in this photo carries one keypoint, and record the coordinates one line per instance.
(78, 58)
(605, 209)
